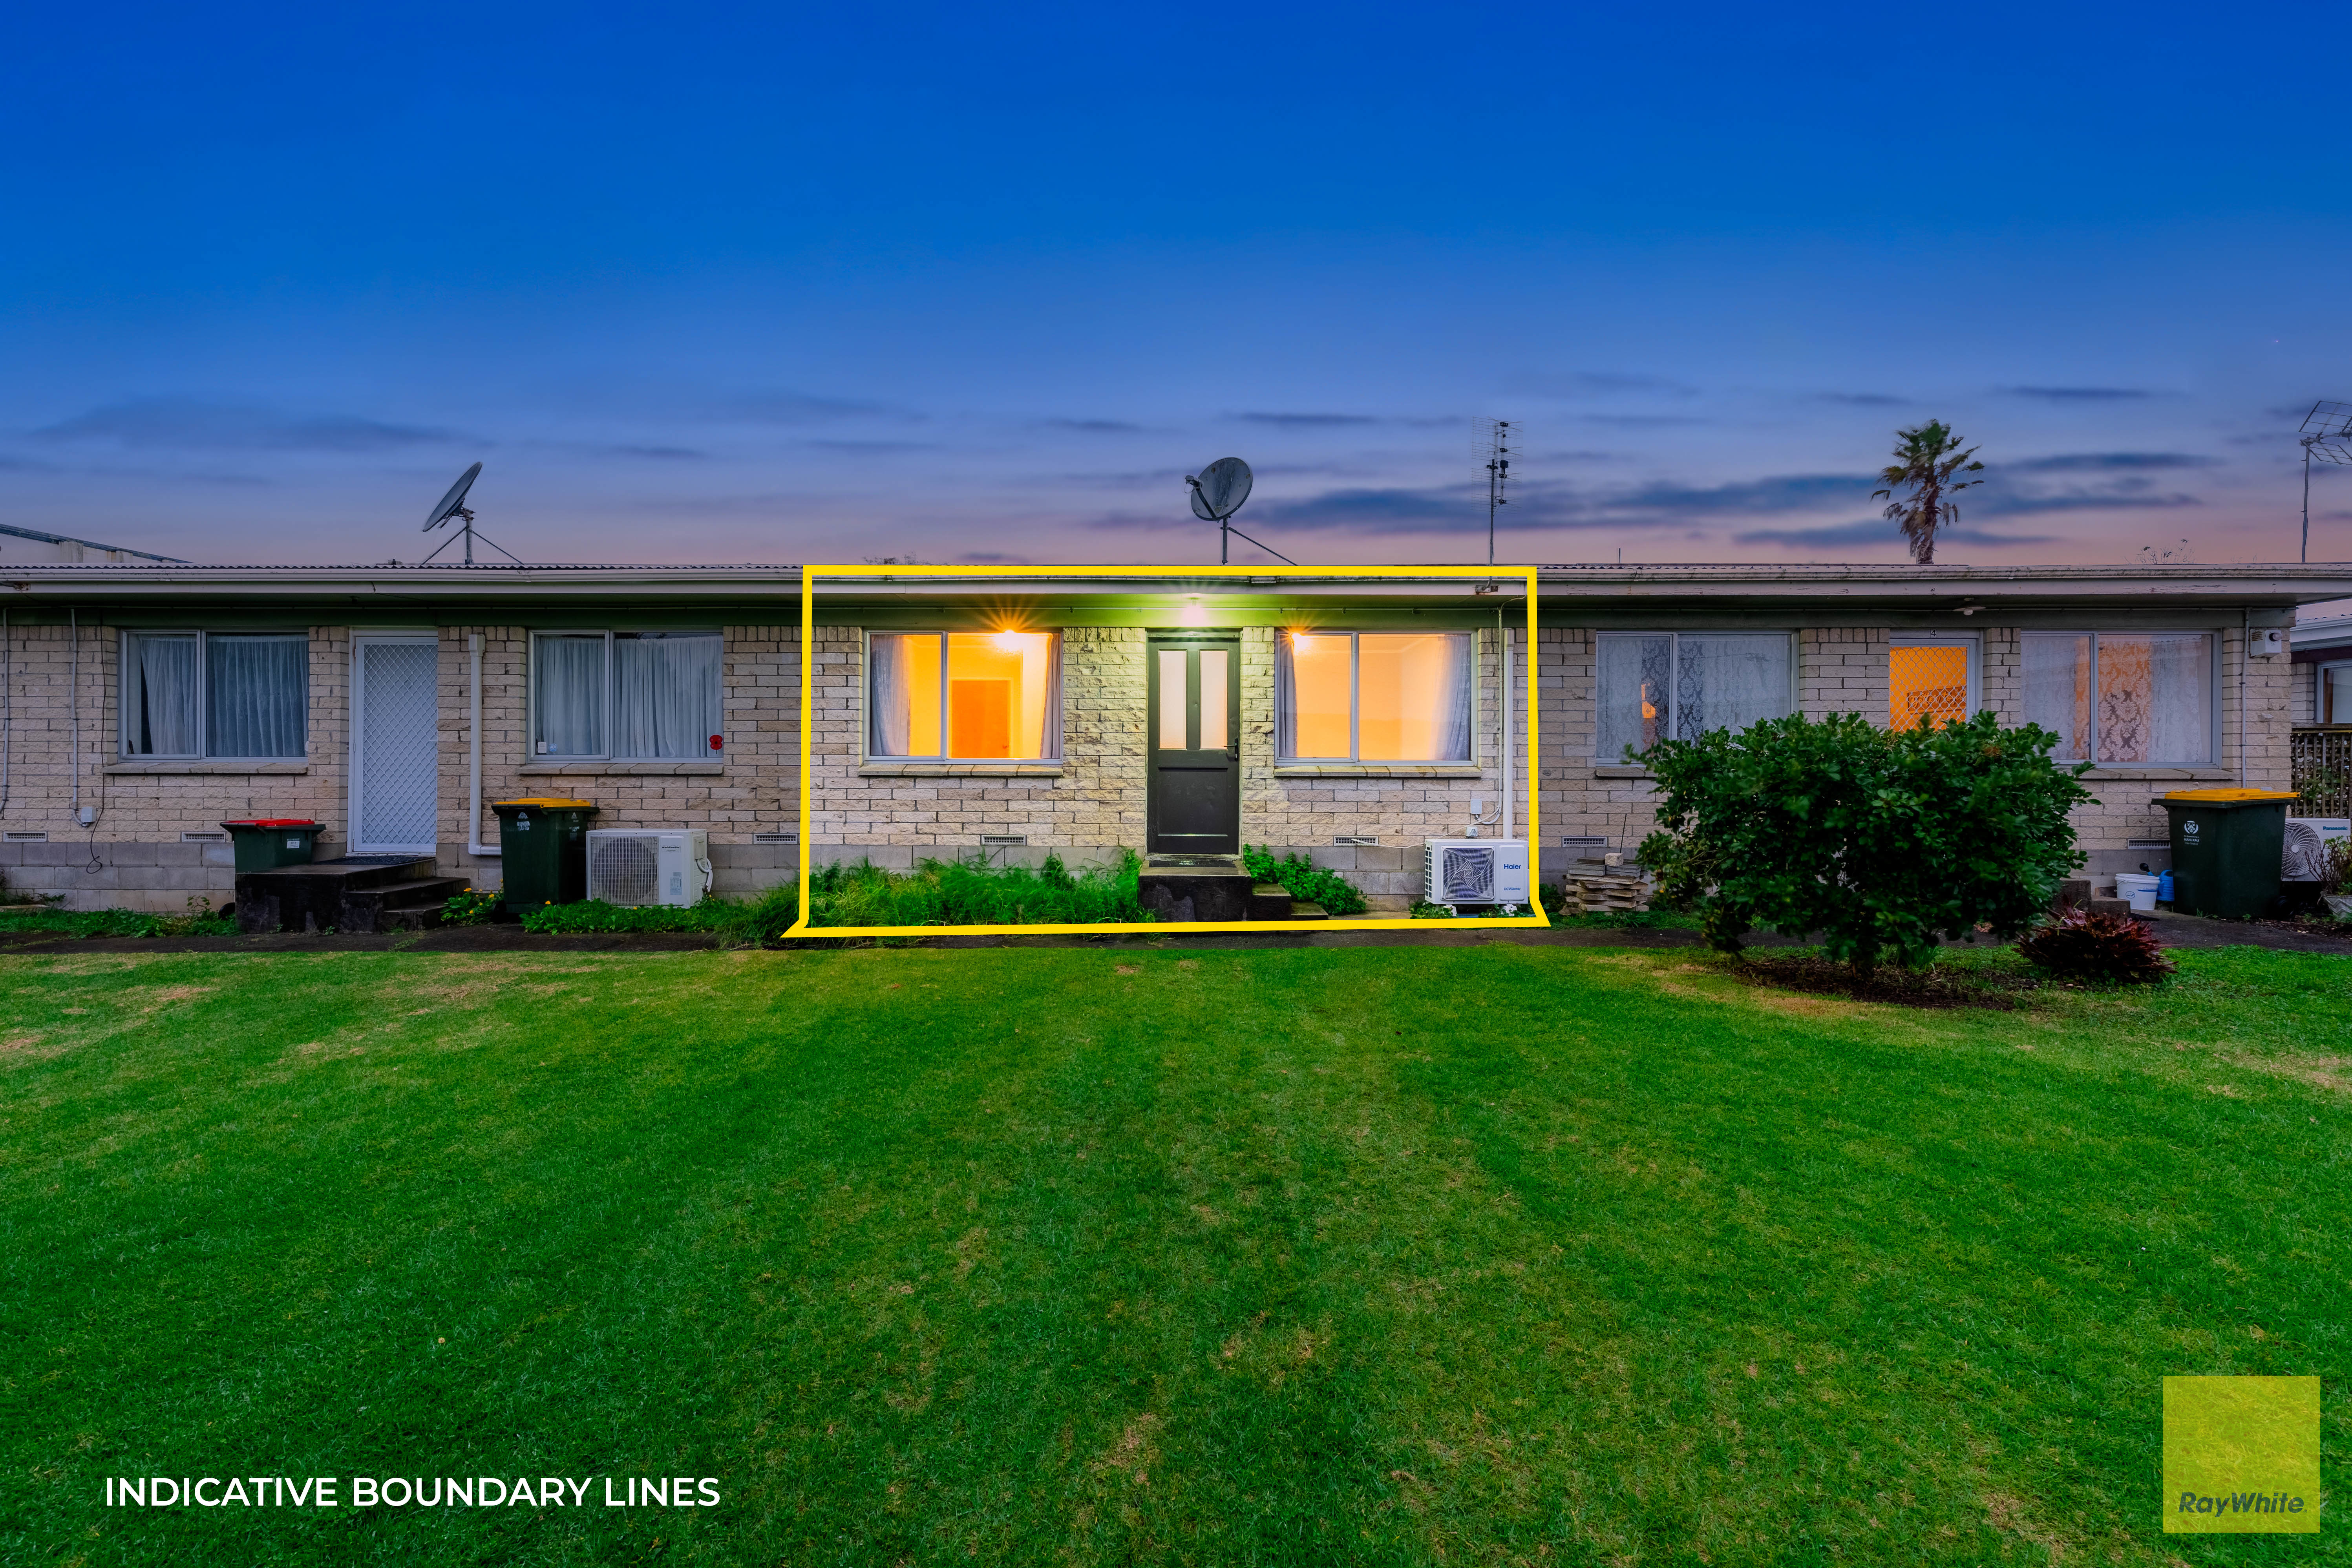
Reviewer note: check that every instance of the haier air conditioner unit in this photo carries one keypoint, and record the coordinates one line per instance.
(1477, 870)
(649, 866)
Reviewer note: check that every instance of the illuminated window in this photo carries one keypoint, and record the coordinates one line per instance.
(1932, 678)
(1372, 697)
(1655, 686)
(963, 696)
(2122, 696)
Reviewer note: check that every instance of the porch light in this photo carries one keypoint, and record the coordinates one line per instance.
(1193, 615)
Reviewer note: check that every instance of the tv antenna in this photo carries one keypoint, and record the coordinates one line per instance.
(2326, 431)
(454, 505)
(1492, 439)
(1218, 491)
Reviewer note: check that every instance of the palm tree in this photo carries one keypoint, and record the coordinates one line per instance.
(1927, 457)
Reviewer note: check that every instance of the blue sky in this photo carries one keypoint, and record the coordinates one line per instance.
(783, 284)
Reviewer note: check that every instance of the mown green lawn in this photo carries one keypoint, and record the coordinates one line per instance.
(1118, 1255)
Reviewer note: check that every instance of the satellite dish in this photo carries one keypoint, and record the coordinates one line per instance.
(454, 504)
(1220, 490)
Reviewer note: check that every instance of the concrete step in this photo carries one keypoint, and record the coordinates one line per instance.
(1186, 893)
(412, 905)
(1270, 902)
(319, 896)
(1309, 913)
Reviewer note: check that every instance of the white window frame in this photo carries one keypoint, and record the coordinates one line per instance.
(2342, 669)
(1674, 672)
(1356, 701)
(2213, 692)
(1972, 641)
(129, 634)
(866, 694)
(604, 697)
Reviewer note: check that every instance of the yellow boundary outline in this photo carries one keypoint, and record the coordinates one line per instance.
(809, 576)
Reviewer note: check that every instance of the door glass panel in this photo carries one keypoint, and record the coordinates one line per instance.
(1172, 700)
(1212, 699)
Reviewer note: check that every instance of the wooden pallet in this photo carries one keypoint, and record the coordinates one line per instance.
(1588, 895)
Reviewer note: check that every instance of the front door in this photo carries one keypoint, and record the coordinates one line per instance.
(395, 743)
(1195, 702)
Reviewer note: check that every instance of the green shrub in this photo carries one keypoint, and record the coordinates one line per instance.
(470, 907)
(2081, 945)
(200, 920)
(935, 893)
(972, 892)
(1880, 841)
(1305, 881)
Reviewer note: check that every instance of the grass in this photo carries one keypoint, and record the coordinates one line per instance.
(199, 921)
(1115, 1256)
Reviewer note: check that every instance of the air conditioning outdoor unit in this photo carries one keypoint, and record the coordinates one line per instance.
(1477, 870)
(649, 866)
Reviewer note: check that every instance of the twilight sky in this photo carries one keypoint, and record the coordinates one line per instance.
(778, 284)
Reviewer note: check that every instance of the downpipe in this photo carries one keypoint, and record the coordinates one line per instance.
(474, 845)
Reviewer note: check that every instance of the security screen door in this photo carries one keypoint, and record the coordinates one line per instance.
(395, 743)
(1195, 693)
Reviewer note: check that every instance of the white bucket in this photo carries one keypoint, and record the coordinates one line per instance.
(2140, 889)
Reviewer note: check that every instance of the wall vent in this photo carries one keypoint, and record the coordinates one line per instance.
(35, 837)
(775, 838)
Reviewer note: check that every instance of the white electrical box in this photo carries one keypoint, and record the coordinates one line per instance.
(649, 866)
(1477, 871)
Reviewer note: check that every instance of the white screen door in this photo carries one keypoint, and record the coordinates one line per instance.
(395, 743)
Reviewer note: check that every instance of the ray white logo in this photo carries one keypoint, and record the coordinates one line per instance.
(410, 1491)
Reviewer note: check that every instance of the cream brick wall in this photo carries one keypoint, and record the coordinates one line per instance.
(1094, 807)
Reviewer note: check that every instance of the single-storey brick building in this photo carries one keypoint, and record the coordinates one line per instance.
(1351, 717)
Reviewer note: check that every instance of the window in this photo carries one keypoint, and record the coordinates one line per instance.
(1655, 686)
(1933, 679)
(2123, 697)
(216, 694)
(625, 695)
(2335, 705)
(1377, 696)
(963, 696)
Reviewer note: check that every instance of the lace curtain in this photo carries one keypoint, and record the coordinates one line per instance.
(1728, 683)
(2152, 698)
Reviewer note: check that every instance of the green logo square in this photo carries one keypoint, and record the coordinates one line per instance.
(2240, 1454)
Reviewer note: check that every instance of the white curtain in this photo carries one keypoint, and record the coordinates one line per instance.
(886, 719)
(2057, 671)
(159, 696)
(1728, 683)
(571, 696)
(1630, 698)
(1285, 699)
(1051, 743)
(1453, 687)
(2154, 698)
(256, 695)
(665, 694)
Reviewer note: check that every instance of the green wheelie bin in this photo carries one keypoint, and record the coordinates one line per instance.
(542, 851)
(266, 842)
(2226, 847)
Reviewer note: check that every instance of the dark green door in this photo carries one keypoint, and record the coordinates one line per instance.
(1195, 768)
